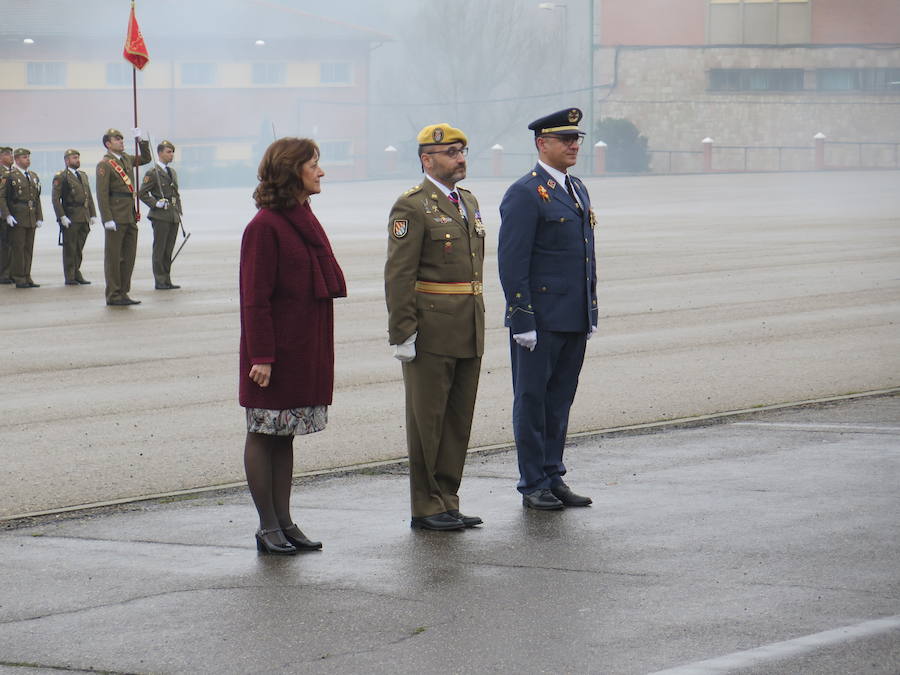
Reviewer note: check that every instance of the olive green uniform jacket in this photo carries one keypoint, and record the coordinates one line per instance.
(151, 193)
(72, 198)
(21, 198)
(115, 198)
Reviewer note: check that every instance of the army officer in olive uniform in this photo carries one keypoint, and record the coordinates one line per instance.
(74, 207)
(159, 191)
(20, 207)
(115, 199)
(6, 162)
(433, 285)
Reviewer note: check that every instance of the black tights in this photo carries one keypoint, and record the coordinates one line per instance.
(269, 464)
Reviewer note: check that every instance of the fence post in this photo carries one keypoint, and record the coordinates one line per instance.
(497, 160)
(707, 153)
(819, 138)
(390, 159)
(599, 158)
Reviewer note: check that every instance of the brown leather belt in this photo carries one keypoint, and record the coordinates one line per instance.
(451, 287)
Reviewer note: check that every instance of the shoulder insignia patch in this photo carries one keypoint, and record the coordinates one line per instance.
(400, 228)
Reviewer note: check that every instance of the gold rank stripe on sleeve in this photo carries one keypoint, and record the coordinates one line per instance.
(124, 176)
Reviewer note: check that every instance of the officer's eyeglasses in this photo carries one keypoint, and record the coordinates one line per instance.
(568, 140)
(452, 153)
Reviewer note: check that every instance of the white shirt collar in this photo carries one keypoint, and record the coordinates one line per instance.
(74, 171)
(119, 157)
(556, 174)
(442, 187)
(21, 170)
(165, 166)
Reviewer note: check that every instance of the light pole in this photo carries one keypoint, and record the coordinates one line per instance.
(590, 45)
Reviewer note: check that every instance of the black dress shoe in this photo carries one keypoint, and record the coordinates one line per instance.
(121, 302)
(172, 286)
(569, 498)
(84, 282)
(468, 521)
(31, 284)
(25, 285)
(543, 500)
(299, 540)
(266, 544)
(71, 283)
(129, 301)
(162, 287)
(6, 280)
(439, 521)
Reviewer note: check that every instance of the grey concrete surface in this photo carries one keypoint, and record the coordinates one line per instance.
(704, 544)
(717, 293)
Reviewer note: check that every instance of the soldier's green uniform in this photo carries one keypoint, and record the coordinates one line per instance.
(161, 183)
(6, 159)
(115, 201)
(433, 288)
(72, 198)
(20, 197)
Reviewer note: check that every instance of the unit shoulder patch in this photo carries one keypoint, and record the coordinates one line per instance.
(400, 228)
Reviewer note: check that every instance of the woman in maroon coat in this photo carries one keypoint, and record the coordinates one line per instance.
(288, 278)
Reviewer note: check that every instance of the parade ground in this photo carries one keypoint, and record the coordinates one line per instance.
(737, 424)
(717, 293)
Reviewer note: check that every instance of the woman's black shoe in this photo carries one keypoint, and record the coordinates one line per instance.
(295, 535)
(265, 544)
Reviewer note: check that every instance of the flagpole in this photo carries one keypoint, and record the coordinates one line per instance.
(137, 141)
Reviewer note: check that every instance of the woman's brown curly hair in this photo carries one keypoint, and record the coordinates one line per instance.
(279, 174)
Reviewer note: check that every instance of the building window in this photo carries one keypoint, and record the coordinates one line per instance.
(198, 73)
(756, 79)
(758, 22)
(858, 79)
(119, 74)
(47, 73)
(197, 155)
(268, 73)
(336, 152)
(335, 72)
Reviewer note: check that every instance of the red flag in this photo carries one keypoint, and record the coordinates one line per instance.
(135, 49)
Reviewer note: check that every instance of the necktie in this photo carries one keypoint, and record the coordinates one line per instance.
(572, 192)
(454, 199)
(169, 171)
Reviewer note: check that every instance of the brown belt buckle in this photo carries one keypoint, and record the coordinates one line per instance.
(477, 288)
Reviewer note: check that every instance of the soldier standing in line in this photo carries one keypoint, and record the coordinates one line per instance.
(433, 287)
(74, 207)
(159, 191)
(20, 207)
(115, 200)
(6, 161)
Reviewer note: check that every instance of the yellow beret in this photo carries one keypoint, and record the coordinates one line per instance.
(441, 134)
(71, 151)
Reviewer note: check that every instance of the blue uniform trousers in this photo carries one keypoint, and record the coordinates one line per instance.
(544, 384)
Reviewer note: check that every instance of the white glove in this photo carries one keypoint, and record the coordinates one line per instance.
(162, 203)
(406, 352)
(94, 221)
(110, 225)
(591, 332)
(65, 221)
(39, 223)
(137, 133)
(11, 221)
(527, 340)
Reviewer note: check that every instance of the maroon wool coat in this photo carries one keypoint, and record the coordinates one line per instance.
(282, 321)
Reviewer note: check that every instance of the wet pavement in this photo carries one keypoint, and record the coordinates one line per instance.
(759, 543)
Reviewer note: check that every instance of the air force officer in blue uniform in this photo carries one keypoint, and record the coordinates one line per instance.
(549, 277)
